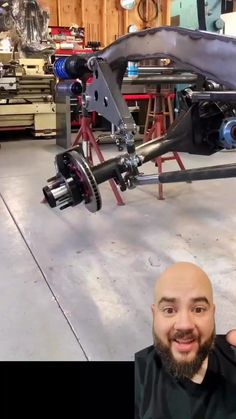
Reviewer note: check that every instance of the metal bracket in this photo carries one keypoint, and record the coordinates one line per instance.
(103, 95)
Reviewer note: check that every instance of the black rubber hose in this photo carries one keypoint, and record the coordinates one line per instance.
(201, 15)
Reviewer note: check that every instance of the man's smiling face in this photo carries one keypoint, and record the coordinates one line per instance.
(183, 318)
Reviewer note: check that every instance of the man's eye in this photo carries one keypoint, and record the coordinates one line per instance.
(168, 310)
(199, 309)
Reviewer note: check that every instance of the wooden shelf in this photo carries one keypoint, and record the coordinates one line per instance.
(104, 20)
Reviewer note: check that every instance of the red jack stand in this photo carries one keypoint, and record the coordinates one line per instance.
(156, 131)
(85, 135)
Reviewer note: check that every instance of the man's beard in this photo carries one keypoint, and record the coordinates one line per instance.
(181, 369)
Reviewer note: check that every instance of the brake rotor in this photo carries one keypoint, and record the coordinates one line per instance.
(92, 197)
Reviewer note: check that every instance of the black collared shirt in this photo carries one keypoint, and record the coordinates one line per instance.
(158, 395)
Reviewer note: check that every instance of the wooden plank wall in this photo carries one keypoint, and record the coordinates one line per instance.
(104, 20)
(69, 12)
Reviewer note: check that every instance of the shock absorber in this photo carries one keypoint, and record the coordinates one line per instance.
(72, 67)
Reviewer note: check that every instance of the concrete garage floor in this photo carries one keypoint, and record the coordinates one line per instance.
(78, 286)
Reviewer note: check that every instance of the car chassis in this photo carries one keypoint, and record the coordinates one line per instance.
(205, 124)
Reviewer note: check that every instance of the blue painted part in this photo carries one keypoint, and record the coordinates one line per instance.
(59, 68)
(187, 10)
(132, 69)
(227, 133)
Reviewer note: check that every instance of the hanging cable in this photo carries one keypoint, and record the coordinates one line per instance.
(144, 14)
(226, 6)
(201, 15)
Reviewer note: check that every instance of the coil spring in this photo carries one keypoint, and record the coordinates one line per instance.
(59, 68)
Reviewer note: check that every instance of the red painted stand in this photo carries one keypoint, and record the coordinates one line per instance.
(85, 135)
(157, 130)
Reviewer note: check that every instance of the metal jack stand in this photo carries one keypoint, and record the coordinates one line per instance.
(86, 136)
(157, 130)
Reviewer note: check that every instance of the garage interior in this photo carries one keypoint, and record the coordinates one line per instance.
(77, 285)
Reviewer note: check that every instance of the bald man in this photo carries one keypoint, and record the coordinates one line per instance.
(189, 372)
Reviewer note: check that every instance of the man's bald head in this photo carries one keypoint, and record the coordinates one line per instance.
(183, 276)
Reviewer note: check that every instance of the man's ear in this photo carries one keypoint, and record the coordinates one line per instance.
(153, 308)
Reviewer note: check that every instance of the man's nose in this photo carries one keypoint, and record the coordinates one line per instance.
(184, 320)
